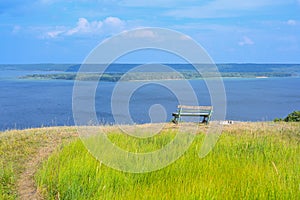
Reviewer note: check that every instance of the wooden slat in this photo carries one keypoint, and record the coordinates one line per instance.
(195, 107)
(192, 113)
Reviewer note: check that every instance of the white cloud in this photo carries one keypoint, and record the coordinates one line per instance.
(113, 21)
(53, 34)
(113, 25)
(84, 27)
(292, 22)
(246, 41)
(46, 31)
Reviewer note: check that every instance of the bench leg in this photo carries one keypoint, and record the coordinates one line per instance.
(205, 120)
(208, 118)
(175, 120)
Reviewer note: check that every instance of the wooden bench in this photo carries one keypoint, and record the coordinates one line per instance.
(193, 111)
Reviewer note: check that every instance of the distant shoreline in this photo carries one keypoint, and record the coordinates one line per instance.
(149, 76)
(116, 71)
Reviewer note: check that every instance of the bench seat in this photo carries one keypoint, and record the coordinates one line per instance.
(191, 114)
(192, 111)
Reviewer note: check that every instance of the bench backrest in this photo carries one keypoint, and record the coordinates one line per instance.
(194, 109)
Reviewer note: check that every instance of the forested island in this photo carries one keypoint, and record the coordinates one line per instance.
(144, 76)
(121, 72)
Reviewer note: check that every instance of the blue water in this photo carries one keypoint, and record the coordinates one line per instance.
(36, 103)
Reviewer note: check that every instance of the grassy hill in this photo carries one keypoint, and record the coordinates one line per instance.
(250, 161)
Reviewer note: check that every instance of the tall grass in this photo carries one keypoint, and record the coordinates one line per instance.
(17, 147)
(250, 161)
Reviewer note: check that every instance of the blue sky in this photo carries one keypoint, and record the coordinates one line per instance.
(65, 31)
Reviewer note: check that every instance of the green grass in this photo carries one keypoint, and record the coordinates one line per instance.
(250, 161)
(16, 148)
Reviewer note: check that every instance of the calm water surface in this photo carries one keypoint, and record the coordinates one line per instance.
(35, 103)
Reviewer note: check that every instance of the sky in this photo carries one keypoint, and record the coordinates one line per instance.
(231, 31)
